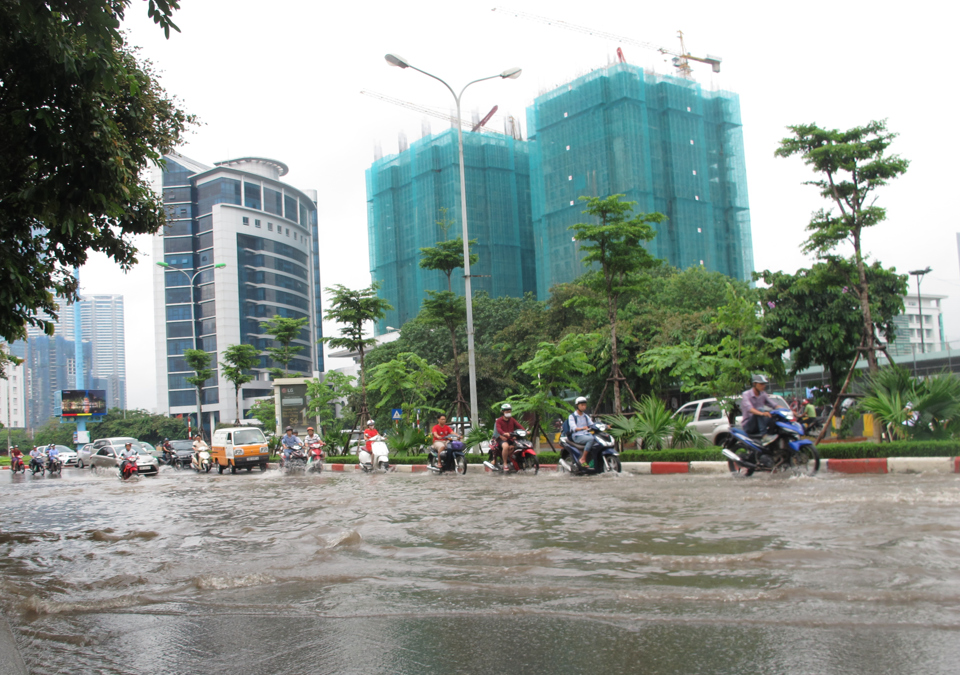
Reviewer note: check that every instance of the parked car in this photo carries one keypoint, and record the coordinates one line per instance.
(108, 456)
(149, 449)
(83, 456)
(67, 455)
(184, 450)
(709, 419)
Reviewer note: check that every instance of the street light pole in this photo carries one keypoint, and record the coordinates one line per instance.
(193, 313)
(512, 74)
(919, 275)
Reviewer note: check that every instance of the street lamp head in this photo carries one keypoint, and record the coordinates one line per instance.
(219, 265)
(921, 272)
(511, 73)
(396, 60)
(163, 264)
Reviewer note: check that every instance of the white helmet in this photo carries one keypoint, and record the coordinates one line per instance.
(506, 406)
(580, 399)
(370, 423)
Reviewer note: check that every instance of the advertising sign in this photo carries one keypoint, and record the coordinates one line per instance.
(293, 407)
(83, 402)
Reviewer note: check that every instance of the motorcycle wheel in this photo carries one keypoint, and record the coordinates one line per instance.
(460, 465)
(531, 464)
(384, 466)
(207, 470)
(738, 470)
(612, 464)
(806, 462)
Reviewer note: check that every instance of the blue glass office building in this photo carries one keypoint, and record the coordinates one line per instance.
(266, 233)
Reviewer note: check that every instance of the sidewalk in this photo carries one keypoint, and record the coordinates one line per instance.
(11, 662)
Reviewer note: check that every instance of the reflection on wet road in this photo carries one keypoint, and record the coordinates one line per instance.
(402, 573)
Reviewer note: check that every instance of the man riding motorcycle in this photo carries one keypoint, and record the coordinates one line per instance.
(441, 434)
(16, 455)
(505, 426)
(36, 459)
(53, 455)
(753, 399)
(579, 423)
(289, 441)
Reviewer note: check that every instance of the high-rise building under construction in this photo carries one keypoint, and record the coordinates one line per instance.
(663, 142)
(409, 193)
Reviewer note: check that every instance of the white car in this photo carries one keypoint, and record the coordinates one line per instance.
(83, 457)
(708, 418)
(67, 455)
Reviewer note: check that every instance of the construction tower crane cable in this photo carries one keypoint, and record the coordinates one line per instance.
(433, 113)
(680, 59)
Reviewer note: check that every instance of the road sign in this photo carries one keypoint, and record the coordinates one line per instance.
(395, 414)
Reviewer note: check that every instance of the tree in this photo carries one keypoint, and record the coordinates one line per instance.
(353, 309)
(265, 410)
(616, 246)
(199, 362)
(81, 120)
(322, 395)
(852, 165)
(723, 368)
(284, 331)
(445, 257)
(407, 381)
(553, 369)
(450, 311)
(235, 367)
(819, 316)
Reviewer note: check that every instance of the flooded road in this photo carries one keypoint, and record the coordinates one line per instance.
(416, 573)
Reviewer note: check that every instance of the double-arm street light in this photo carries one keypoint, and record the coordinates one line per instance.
(919, 275)
(193, 313)
(508, 74)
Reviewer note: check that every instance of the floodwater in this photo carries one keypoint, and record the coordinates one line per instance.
(417, 573)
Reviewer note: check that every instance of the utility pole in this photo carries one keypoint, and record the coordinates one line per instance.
(919, 275)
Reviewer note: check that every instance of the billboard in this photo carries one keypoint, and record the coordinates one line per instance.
(83, 402)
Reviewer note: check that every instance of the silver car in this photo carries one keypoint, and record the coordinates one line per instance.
(709, 419)
(83, 455)
(109, 457)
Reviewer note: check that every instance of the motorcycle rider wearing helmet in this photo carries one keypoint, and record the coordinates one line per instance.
(198, 447)
(369, 434)
(15, 454)
(755, 420)
(289, 440)
(311, 437)
(505, 426)
(53, 455)
(579, 423)
(36, 458)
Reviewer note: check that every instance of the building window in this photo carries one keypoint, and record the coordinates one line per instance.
(288, 231)
(251, 195)
(272, 201)
(218, 191)
(246, 221)
(290, 208)
(256, 223)
(270, 227)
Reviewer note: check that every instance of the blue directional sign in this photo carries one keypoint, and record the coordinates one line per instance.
(395, 414)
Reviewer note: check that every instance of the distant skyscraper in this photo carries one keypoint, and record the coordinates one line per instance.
(408, 193)
(266, 233)
(663, 142)
(101, 323)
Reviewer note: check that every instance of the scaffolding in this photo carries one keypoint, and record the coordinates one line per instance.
(663, 142)
(406, 197)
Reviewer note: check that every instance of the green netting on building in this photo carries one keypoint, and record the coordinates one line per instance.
(662, 141)
(405, 195)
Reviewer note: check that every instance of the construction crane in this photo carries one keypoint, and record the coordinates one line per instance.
(433, 113)
(681, 59)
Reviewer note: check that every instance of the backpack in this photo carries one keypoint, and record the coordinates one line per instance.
(565, 428)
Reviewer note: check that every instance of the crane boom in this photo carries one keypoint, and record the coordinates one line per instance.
(431, 112)
(679, 58)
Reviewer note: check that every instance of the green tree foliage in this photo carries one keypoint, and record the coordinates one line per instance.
(284, 331)
(656, 428)
(446, 256)
(615, 245)
(353, 309)
(406, 382)
(851, 166)
(723, 368)
(235, 367)
(554, 369)
(322, 396)
(139, 424)
(265, 410)
(913, 408)
(80, 120)
(7, 358)
(199, 362)
(450, 311)
(818, 313)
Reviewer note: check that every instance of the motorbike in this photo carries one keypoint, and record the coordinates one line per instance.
(314, 457)
(200, 461)
(296, 460)
(17, 466)
(378, 457)
(54, 466)
(524, 457)
(37, 465)
(171, 459)
(606, 458)
(452, 458)
(781, 449)
(128, 468)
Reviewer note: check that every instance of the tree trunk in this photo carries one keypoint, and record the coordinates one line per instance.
(868, 333)
(614, 356)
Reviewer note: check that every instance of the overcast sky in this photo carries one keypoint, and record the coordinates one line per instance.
(282, 80)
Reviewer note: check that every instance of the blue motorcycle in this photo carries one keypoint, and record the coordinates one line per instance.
(781, 449)
(606, 459)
